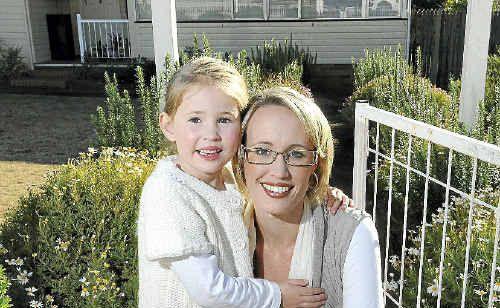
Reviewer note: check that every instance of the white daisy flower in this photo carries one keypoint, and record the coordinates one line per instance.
(433, 289)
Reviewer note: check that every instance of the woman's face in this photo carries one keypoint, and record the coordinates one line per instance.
(277, 189)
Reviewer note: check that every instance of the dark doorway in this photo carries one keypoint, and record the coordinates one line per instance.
(61, 37)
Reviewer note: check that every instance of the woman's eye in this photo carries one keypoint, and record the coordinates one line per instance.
(262, 152)
(194, 120)
(225, 120)
(296, 154)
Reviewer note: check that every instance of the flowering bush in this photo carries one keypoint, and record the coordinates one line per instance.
(481, 254)
(72, 242)
(4, 286)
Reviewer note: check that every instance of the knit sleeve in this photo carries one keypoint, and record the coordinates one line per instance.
(172, 228)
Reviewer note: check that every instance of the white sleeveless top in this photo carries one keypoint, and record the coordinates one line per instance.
(179, 216)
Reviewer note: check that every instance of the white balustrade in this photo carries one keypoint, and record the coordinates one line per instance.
(103, 38)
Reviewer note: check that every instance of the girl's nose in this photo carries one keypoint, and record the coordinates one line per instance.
(212, 132)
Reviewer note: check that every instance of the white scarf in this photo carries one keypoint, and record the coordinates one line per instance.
(301, 265)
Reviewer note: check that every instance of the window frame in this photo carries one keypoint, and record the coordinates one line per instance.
(266, 7)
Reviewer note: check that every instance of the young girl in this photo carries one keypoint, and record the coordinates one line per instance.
(192, 240)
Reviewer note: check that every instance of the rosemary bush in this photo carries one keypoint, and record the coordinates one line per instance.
(274, 56)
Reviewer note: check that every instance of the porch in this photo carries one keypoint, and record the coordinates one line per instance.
(68, 33)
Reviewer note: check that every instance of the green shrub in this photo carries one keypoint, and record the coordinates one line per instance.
(274, 56)
(74, 239)
(459, 5)
(11, 62)
(5, 301)
(377, 63)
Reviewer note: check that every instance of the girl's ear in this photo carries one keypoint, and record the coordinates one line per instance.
(167, 126)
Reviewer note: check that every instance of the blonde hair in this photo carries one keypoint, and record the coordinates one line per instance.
(317, 130)
(205, 71)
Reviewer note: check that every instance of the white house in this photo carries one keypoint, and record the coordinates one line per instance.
(50, 33)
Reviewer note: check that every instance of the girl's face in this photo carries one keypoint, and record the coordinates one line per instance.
(206, 129)
(277, 189)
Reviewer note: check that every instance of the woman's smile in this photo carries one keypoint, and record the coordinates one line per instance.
(278, 190)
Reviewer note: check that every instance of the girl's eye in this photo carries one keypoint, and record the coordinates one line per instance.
(224, 120)
(262, 152)
(194, 120)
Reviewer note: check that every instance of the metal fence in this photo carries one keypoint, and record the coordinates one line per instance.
(103, 38)
(411, 130)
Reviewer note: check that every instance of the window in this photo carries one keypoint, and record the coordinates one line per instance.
(187, 10)
(200, 10)
(331, 8)
(143, 9)
(283, 9)
(249, 9)
(384, 7)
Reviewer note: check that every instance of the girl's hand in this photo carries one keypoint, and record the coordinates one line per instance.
(295, 293)
(336, 199)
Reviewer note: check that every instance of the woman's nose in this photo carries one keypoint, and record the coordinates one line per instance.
(280, 168)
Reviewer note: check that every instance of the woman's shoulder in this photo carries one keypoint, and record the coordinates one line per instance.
(341, 227)
(350, 215)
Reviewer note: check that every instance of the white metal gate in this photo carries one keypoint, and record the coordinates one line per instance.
(103, 38)
(458, 145)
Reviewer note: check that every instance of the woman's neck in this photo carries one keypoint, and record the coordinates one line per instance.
(276, 231)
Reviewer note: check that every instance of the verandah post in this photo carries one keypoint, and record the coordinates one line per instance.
(475, 59)
(164, 34)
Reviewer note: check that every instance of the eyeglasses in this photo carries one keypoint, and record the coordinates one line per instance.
(293, 157)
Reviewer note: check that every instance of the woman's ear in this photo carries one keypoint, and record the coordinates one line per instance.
(167, 126)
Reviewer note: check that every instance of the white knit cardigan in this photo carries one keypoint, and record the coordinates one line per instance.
(179, 216)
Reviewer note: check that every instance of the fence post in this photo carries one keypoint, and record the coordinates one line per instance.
(80, 37)
(360, 156)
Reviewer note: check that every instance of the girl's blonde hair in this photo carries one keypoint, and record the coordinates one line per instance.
(317, 130)
(206, 71)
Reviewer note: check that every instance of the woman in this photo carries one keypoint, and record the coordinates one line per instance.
(283, 170)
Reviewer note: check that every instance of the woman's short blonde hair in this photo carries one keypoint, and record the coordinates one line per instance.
(205, 71)
(317, 130)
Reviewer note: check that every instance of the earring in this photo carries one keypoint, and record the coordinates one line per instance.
(316, 179)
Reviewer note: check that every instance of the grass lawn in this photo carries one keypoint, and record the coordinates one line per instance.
(16, 178)
(37, 134)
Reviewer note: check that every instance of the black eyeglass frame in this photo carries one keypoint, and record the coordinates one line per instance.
(245, 150)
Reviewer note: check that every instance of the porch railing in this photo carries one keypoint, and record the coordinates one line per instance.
(455, 145)
(103, 38)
